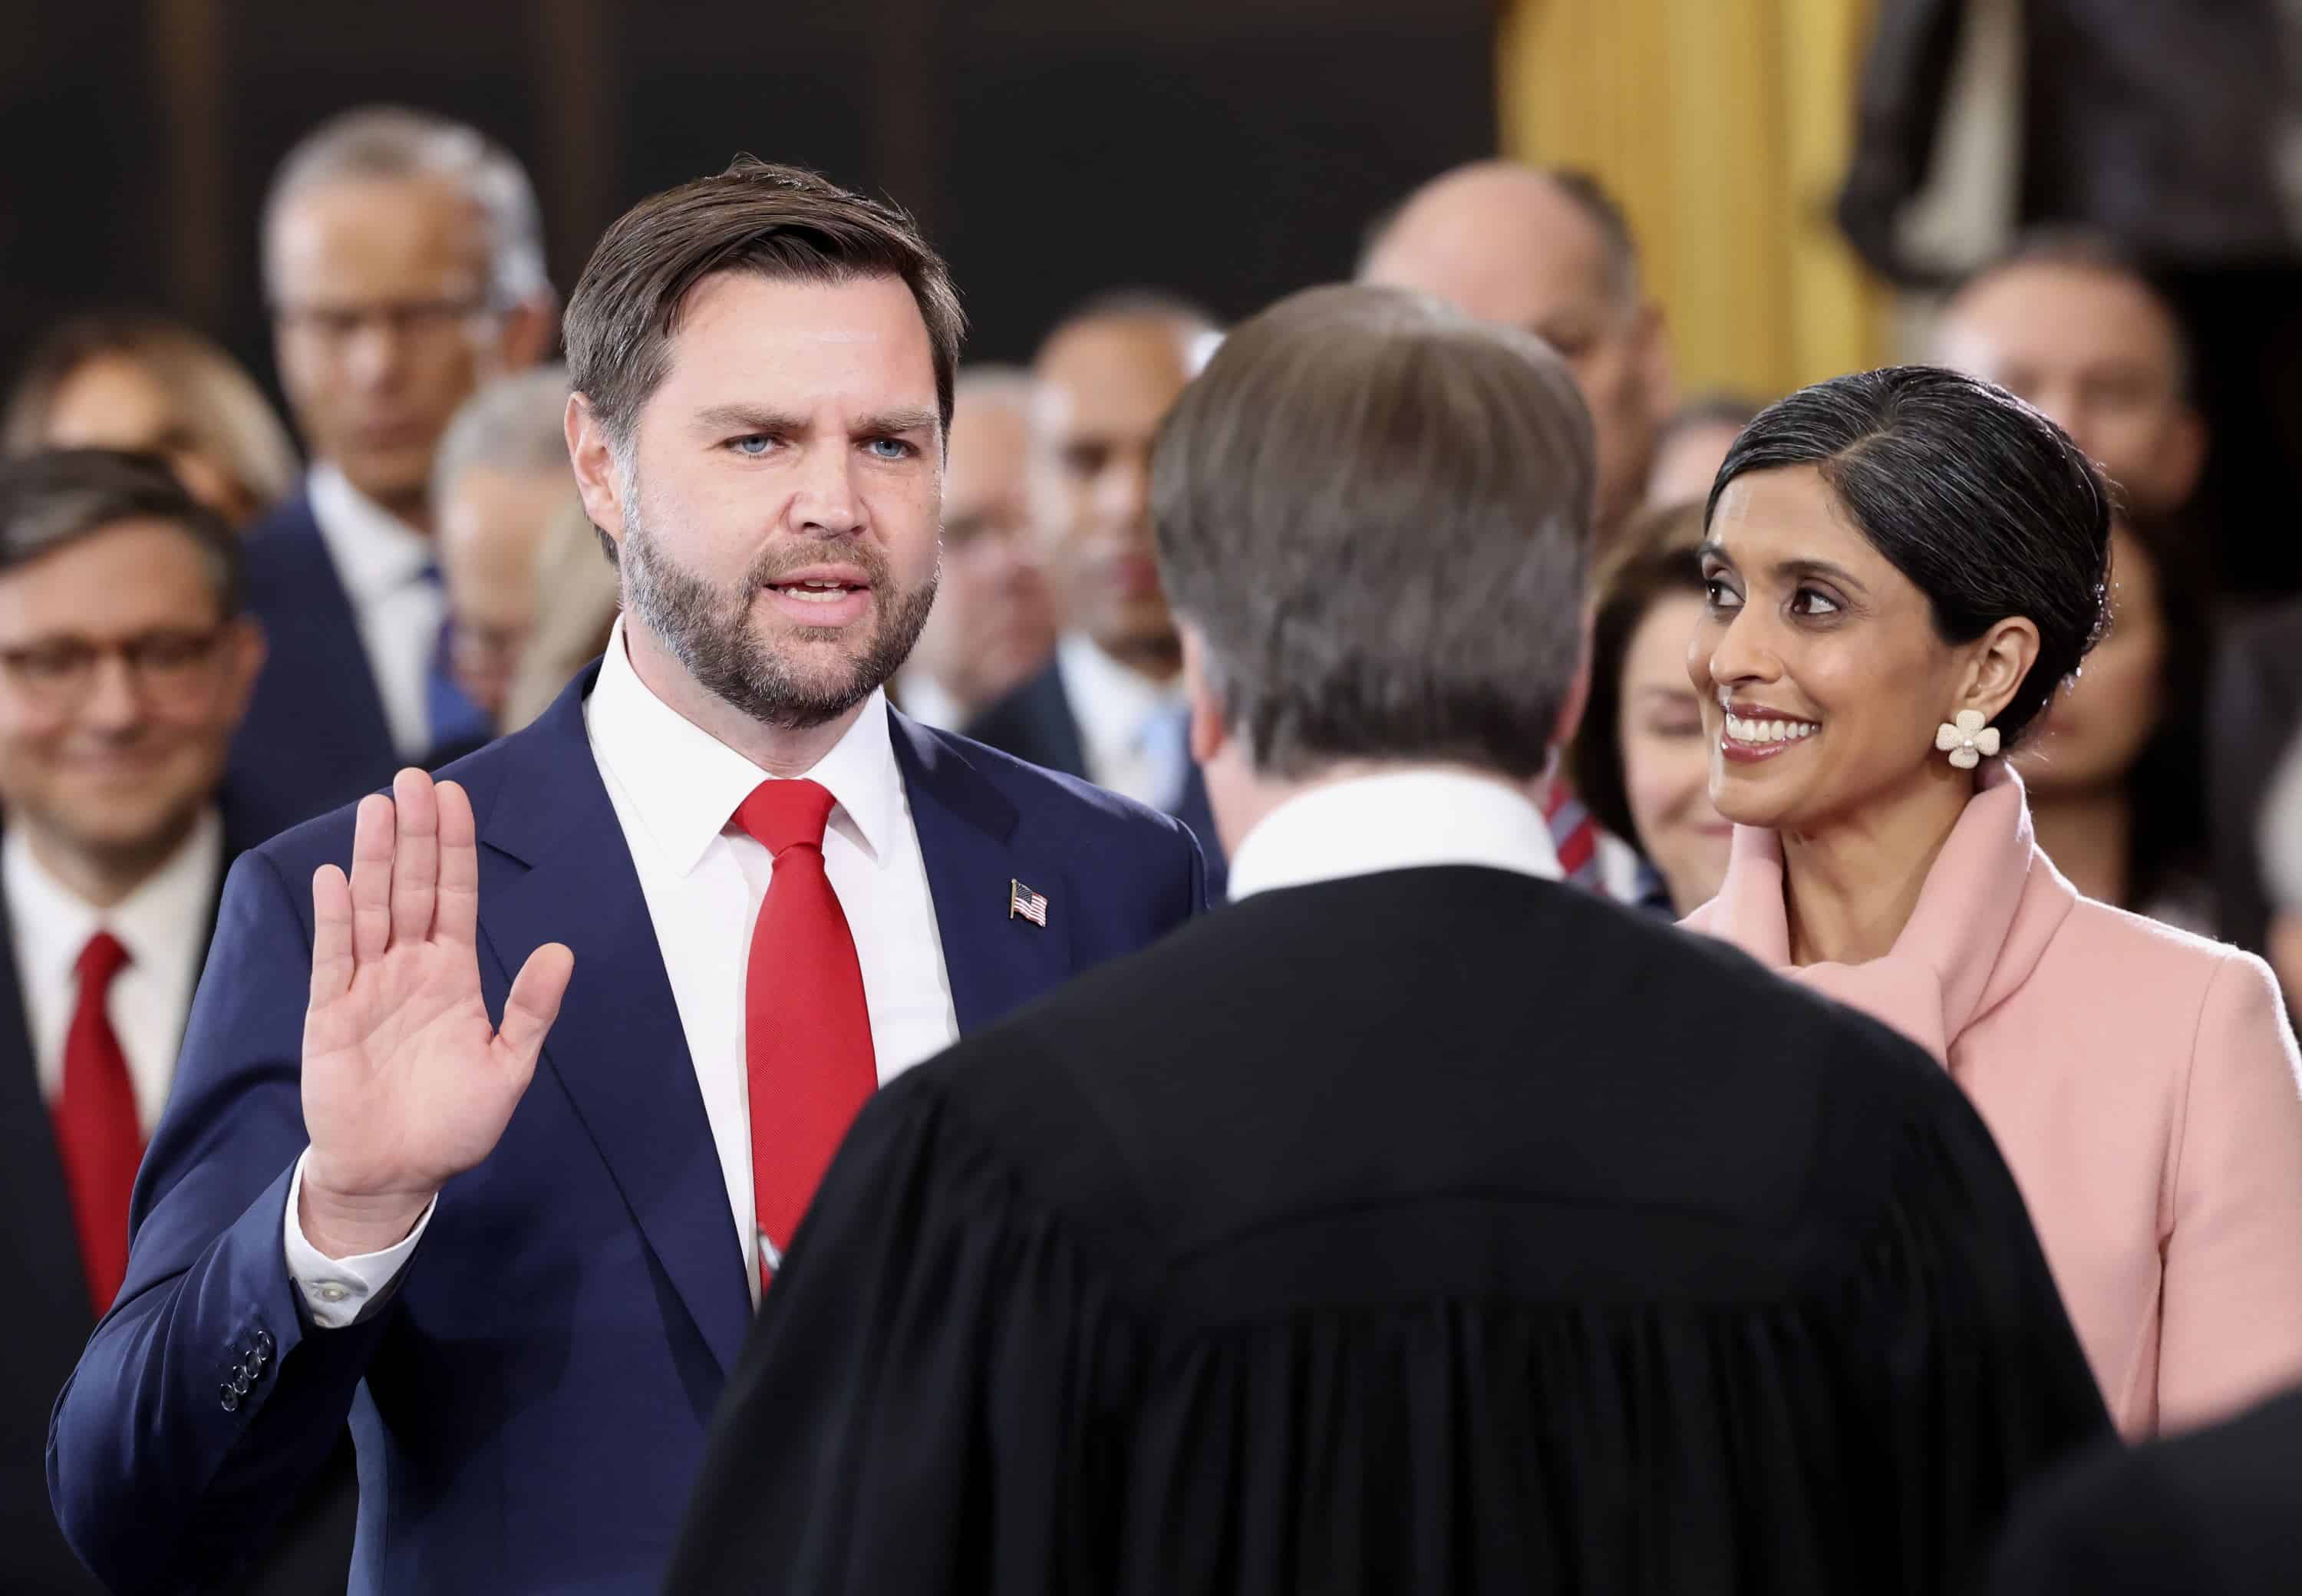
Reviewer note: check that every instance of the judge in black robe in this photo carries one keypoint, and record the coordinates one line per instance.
(1418, 1223)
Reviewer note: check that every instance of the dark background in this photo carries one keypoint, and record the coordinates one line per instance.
(1231, 150)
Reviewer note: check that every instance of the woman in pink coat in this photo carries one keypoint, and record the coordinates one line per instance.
(1902, 567)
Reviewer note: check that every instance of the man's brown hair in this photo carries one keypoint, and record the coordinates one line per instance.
(781, 223)
(1376, 514)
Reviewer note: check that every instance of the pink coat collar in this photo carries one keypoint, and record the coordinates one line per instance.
(1989, 907)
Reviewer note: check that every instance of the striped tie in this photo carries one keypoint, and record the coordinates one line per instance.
(1575, 836)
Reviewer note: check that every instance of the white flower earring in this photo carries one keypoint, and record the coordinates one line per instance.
(1967, 739)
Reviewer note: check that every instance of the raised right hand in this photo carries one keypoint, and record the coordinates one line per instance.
(406, 1081)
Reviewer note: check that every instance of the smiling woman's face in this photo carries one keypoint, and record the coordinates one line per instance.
(1820, 673)
(1666, 770)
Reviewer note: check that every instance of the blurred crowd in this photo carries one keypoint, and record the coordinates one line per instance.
(418, 578)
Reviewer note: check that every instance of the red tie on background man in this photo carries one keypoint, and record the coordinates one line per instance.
(807, 1035)
(95, 1124)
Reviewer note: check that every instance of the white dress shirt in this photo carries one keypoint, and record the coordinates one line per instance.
(676, 789)
(164, 925)
(1120, 713)
(928, 701)
(1399, 821)
(382, 561)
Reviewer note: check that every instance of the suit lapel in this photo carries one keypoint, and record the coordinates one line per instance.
(969, 839)
(555, 868)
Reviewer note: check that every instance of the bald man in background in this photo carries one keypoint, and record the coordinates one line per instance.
(1550, 252)
(993, 627)
(2067, 323)
(1110, 705)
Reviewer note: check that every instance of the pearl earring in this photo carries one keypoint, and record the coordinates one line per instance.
(1967, 741)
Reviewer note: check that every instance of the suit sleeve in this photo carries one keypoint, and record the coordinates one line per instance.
(2231, 1298)
(206, 1402)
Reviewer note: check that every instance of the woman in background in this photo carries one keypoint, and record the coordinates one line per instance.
(133, 381)
(1903, 567)
(1639, 762)
(2113, 772)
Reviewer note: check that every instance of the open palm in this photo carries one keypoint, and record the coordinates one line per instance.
(406, 1082)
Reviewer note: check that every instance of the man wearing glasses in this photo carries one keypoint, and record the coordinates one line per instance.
(125, 662)
(404, 261)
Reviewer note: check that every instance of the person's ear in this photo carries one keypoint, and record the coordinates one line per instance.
(1997, 662)
(527, 331)
(594, 457)
(1209, 732)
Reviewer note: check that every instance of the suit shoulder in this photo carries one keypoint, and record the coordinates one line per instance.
(327, 838)
(1041, 793)
(2145, 953)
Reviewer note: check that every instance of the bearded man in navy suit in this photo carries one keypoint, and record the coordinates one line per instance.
(493, 1144)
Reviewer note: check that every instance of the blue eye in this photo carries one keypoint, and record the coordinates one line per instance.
(891, 449)
(744, 446)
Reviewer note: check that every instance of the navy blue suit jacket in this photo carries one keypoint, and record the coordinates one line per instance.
(42, 1279)
(1037, 724)
(315, 738)
(530, 1406)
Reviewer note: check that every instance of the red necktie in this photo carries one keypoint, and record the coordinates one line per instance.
(95, 1124)
(807, 1035)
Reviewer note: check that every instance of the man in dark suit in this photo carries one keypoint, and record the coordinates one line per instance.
(125, 661)
(2217, 1512)
(524, 1284)
(1417, 1223)
(404, 262)
(1108, 706)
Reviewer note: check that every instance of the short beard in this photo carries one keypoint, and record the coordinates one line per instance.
(708, 627)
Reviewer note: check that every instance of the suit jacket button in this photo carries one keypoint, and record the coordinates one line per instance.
(240, 1382)
(230, 1399)
(263, 1344)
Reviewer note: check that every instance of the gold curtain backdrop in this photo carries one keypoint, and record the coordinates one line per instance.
(1723, 126)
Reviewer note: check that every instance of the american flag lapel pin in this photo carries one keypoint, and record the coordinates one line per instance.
(1030, 906)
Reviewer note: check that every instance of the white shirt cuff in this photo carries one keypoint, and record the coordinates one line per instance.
(339, 1290)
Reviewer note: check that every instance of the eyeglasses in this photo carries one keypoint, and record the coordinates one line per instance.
(58, 673)
(414, 319)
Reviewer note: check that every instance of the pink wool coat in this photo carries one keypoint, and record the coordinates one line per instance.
(2141, 1082)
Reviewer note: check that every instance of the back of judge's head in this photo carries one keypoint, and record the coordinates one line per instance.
(1373, 518)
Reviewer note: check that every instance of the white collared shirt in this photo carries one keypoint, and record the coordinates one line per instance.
(1401, 820)
(928, 701)
(1118, 710)
(676, 789)
(382, 561)
(164, 925)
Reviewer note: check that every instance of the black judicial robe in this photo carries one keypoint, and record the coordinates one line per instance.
(1442, 1231)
